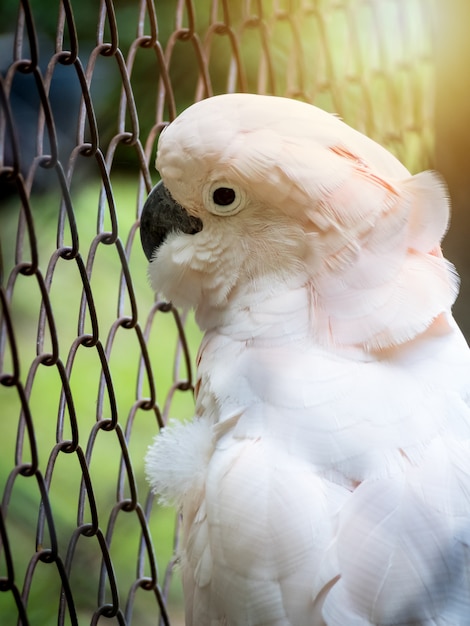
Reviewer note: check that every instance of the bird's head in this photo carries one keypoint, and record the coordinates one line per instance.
(260, 190)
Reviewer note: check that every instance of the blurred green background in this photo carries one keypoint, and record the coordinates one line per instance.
(123, 361)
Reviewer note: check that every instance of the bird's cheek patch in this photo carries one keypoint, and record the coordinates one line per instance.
(223, 198)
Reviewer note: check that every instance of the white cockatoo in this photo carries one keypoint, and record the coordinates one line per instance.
(325, 478)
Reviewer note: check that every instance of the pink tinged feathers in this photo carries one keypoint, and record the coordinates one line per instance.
(325, 478)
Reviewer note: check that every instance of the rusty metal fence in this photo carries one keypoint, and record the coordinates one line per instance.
(90, 365)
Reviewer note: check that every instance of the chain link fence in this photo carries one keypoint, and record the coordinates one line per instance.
(90, 365)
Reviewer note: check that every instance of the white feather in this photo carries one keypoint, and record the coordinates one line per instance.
(325, 479)
(177, 461)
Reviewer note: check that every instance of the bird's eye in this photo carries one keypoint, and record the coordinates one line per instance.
(224, 198)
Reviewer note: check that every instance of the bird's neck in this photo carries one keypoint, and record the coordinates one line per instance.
(272, 312)
(287, 312)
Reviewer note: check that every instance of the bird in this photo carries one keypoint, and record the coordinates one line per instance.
(324, 479)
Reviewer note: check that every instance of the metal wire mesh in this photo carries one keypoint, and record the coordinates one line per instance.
(90, 365)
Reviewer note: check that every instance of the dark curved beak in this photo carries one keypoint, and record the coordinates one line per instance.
(160, 216)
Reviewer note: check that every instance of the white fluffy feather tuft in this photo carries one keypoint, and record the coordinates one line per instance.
(177, 460)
